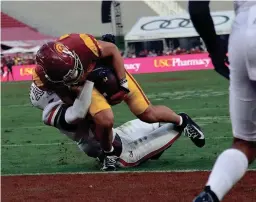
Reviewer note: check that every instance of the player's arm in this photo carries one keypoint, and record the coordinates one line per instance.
(81, 105)
(201, 18)
(66, 117)
(101, 49)
(111, 50)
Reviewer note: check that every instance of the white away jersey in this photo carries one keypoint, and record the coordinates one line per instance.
(245, 5)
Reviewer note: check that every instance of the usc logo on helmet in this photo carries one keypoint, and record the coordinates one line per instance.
(60, 48)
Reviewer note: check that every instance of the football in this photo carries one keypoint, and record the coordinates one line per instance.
(105, 80)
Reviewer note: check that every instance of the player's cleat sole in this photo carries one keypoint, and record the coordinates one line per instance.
(206, 196)
(109, 168)
(193, 131)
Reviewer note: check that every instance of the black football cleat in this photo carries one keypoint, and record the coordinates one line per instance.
(193, 131)
(109, 163)
(206, 196)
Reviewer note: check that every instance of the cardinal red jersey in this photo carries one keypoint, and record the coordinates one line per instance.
(88, 51)
(85, 46)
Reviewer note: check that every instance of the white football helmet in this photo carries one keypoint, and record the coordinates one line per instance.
(40, 98)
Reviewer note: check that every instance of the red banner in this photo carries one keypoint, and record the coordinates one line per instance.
(134, 66)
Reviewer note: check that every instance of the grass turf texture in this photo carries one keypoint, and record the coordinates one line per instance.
(30, 147)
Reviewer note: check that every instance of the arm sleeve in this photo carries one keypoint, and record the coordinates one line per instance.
(54, 115)
(81, 105)
(63, 116)
(201, 18)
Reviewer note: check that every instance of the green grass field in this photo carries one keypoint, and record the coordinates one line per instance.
(28, 146)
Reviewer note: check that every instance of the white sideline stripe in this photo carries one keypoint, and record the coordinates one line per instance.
(24, 127)
(39, 144)
(13, 106)
(69, 143)
(115, 172)
(207, 118)
(176, 109)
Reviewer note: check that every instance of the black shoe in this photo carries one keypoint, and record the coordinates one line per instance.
(109, 163)
(192, 130)
(206, 196)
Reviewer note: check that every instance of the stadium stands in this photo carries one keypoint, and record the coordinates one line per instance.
(7, 21)
(15, 33)
(78, 16)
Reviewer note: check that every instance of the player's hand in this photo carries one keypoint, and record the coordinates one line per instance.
(220, 60)
(121, 94)
(117, 98)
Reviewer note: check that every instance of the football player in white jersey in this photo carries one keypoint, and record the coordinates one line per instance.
(232, 164)
(134, 142)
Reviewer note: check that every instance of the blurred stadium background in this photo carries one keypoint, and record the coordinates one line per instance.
(52, 19)
(30, 147)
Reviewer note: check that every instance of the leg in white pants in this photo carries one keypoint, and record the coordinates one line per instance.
(232, 164)
(145, 142)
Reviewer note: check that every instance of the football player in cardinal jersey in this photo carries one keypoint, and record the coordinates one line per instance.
(134, 142)
(70, 60)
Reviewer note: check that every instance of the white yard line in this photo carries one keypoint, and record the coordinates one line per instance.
(70, 143)
(116, 172)
(36, 144)
(14, 106)
(201, 120)
(207, 119)
(176, 109)
(24, 127)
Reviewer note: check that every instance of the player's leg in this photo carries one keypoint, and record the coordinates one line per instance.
(141, 107)
(11, 73)
(141, 148)
(90, 147)
(232, 164)
(8, 74)
(137, 128)
(103, 118)
(2, 69)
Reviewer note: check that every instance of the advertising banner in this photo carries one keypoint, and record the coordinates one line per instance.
(134, 66)
(168, 63)
(20, 73)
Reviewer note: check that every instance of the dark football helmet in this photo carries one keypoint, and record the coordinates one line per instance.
(60, 64)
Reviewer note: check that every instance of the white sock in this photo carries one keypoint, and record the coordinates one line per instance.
(111, 150)
(181, 121)
(230, 167)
